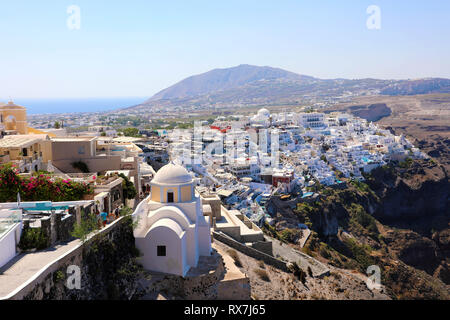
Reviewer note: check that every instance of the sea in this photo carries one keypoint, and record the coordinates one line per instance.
(46, 106)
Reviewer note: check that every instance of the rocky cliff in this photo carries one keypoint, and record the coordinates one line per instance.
(397, 219)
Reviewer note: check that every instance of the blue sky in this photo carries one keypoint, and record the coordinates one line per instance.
(136, 48)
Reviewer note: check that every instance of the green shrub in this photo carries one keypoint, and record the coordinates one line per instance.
(129, 190)
(33, 238)
(406, 164)
(125, 211)
(360, 254)
(288, 235)
(85, 227)
(58, 276)
(131, 132)
(323, 251)
(80, 165)
(360, 216)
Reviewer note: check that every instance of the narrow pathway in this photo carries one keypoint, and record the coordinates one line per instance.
(303, 260)
(24, 266)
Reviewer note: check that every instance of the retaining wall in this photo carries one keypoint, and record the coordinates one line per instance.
(249, 251)
(106, 265)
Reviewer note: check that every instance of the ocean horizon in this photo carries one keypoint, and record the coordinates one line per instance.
(69, 105)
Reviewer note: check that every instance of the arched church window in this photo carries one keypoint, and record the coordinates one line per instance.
(170, 196)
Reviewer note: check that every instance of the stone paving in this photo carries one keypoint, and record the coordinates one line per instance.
(304, 261)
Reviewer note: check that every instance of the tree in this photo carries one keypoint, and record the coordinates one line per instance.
(85, 227)
(131, 132)
(57, 125)
(129, 190)
(80, 165)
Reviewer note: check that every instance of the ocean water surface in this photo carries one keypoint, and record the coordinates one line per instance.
(43, 106)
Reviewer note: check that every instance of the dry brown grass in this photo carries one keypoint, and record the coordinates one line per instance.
(262, 274)
(234, 255)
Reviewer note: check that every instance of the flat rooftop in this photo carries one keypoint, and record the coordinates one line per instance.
(72, 139)
(21, 141)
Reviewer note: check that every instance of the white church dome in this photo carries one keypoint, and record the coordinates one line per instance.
(172, 174)
(264, 112)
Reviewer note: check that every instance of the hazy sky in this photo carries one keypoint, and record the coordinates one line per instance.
(136, 48)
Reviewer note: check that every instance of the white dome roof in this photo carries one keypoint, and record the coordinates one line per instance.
(264, 112)
(172, 174)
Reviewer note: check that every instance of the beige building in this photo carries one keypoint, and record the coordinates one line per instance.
(13, 119)
(67, 150)
(98, 157)
(28, 152)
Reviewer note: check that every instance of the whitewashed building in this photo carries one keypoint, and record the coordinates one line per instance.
(172, 232)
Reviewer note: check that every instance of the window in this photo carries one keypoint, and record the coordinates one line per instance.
(81, 150)
(169, 196)
(161, 251)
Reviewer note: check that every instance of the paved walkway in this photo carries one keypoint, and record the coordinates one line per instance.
(305, 235)
(24, 266)
(304, 261)
(232, 271)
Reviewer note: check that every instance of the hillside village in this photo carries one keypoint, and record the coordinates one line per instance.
(196, 196)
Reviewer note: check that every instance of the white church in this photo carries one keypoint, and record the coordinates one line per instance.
(172, 232)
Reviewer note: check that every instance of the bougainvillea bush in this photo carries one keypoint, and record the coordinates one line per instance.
(39, 187)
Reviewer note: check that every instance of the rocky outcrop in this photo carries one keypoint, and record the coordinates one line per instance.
(414, 198)
(205, 282)
(373, 112)
(413, 249)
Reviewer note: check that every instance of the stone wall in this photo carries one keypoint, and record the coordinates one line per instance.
(198, 287)
(249, 251)
(58, 227)
(237, 289)
(203, 283)
(215, 203)
(108, 269)
(65, 227)
(263, 246)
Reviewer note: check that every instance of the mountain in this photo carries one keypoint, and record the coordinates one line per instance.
(225, 79)
(419, 86)
(247, 85)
